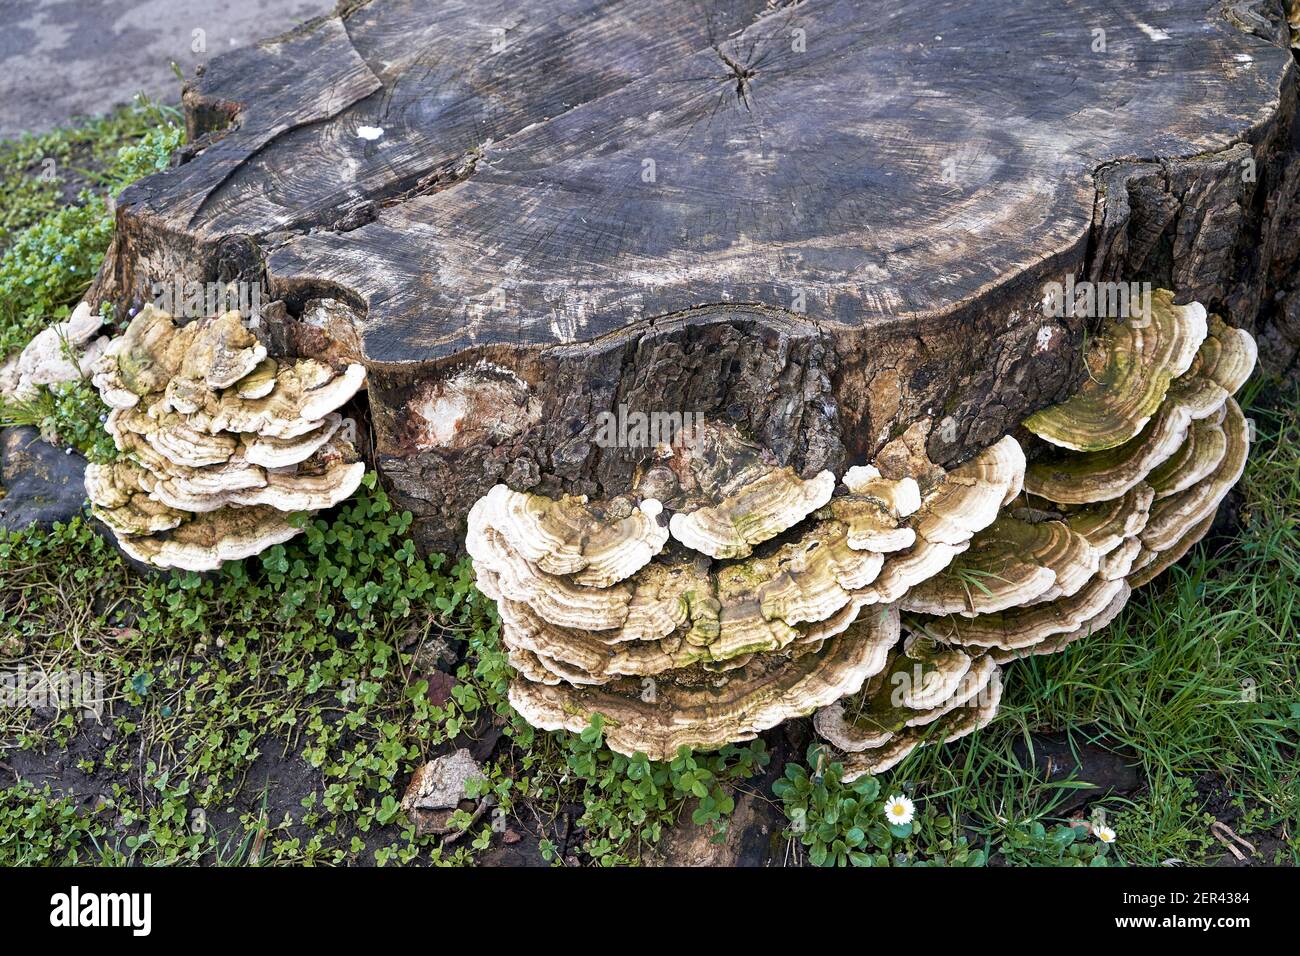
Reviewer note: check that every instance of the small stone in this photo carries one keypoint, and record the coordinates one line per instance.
(440, 783)
(440, 686)
(437, 790)
(42, 486)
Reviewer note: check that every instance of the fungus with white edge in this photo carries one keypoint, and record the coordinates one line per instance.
(768, 595)
(191, 489)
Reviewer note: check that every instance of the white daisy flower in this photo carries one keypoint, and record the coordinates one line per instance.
(899, 811)
(1105, 834)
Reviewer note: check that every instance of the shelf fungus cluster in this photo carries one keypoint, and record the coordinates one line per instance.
(1132, 469)
(887, 607)
(926, 693)
(1168, 467)
(755, 602)
(219, 445)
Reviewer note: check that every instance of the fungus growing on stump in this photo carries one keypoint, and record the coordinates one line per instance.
(728, 642)
(492, 269)
(749, 594)
(1011, 563)
(1130, 366)
(1221, 365)
(1179, 520)
(597, 547)
(1138, 509)
(954, 506)
(218, 444)
(734, 494)
(702, 709)
(1190, 454)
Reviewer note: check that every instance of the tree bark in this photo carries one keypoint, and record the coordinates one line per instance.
(827, 223)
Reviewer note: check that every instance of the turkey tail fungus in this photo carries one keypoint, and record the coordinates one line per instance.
(748, 618)
(206, 473)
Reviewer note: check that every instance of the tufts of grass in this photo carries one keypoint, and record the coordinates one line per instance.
(43, 173)
(69, 414)
(50, 252)
(309, 651)
(39, 828)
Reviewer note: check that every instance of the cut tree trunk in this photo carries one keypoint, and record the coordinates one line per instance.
(827, 223)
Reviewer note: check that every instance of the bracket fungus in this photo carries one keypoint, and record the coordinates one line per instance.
(874, 510)
(1056, 642)
(729, 641)
(1150, 564)
(953, 507)
(1202, 450)
(1108, 524)
(205, 473)
(1110, 529)
(926, 694)
(63, 352)
(1011, 563)
(728, 493)
(1190, 454)
(751, 512)
(596, 546)
(1022, 627)
(740, 594)
(1220, 366)
(1130, 366)
(1178, 521)
(700, 709)
(1072, 478)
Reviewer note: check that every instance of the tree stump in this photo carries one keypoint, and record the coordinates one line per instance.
(829, 224)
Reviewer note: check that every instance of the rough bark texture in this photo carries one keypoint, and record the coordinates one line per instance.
(1221, 227)
(827, 222)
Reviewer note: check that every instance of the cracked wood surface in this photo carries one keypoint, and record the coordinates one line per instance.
(853, 209)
